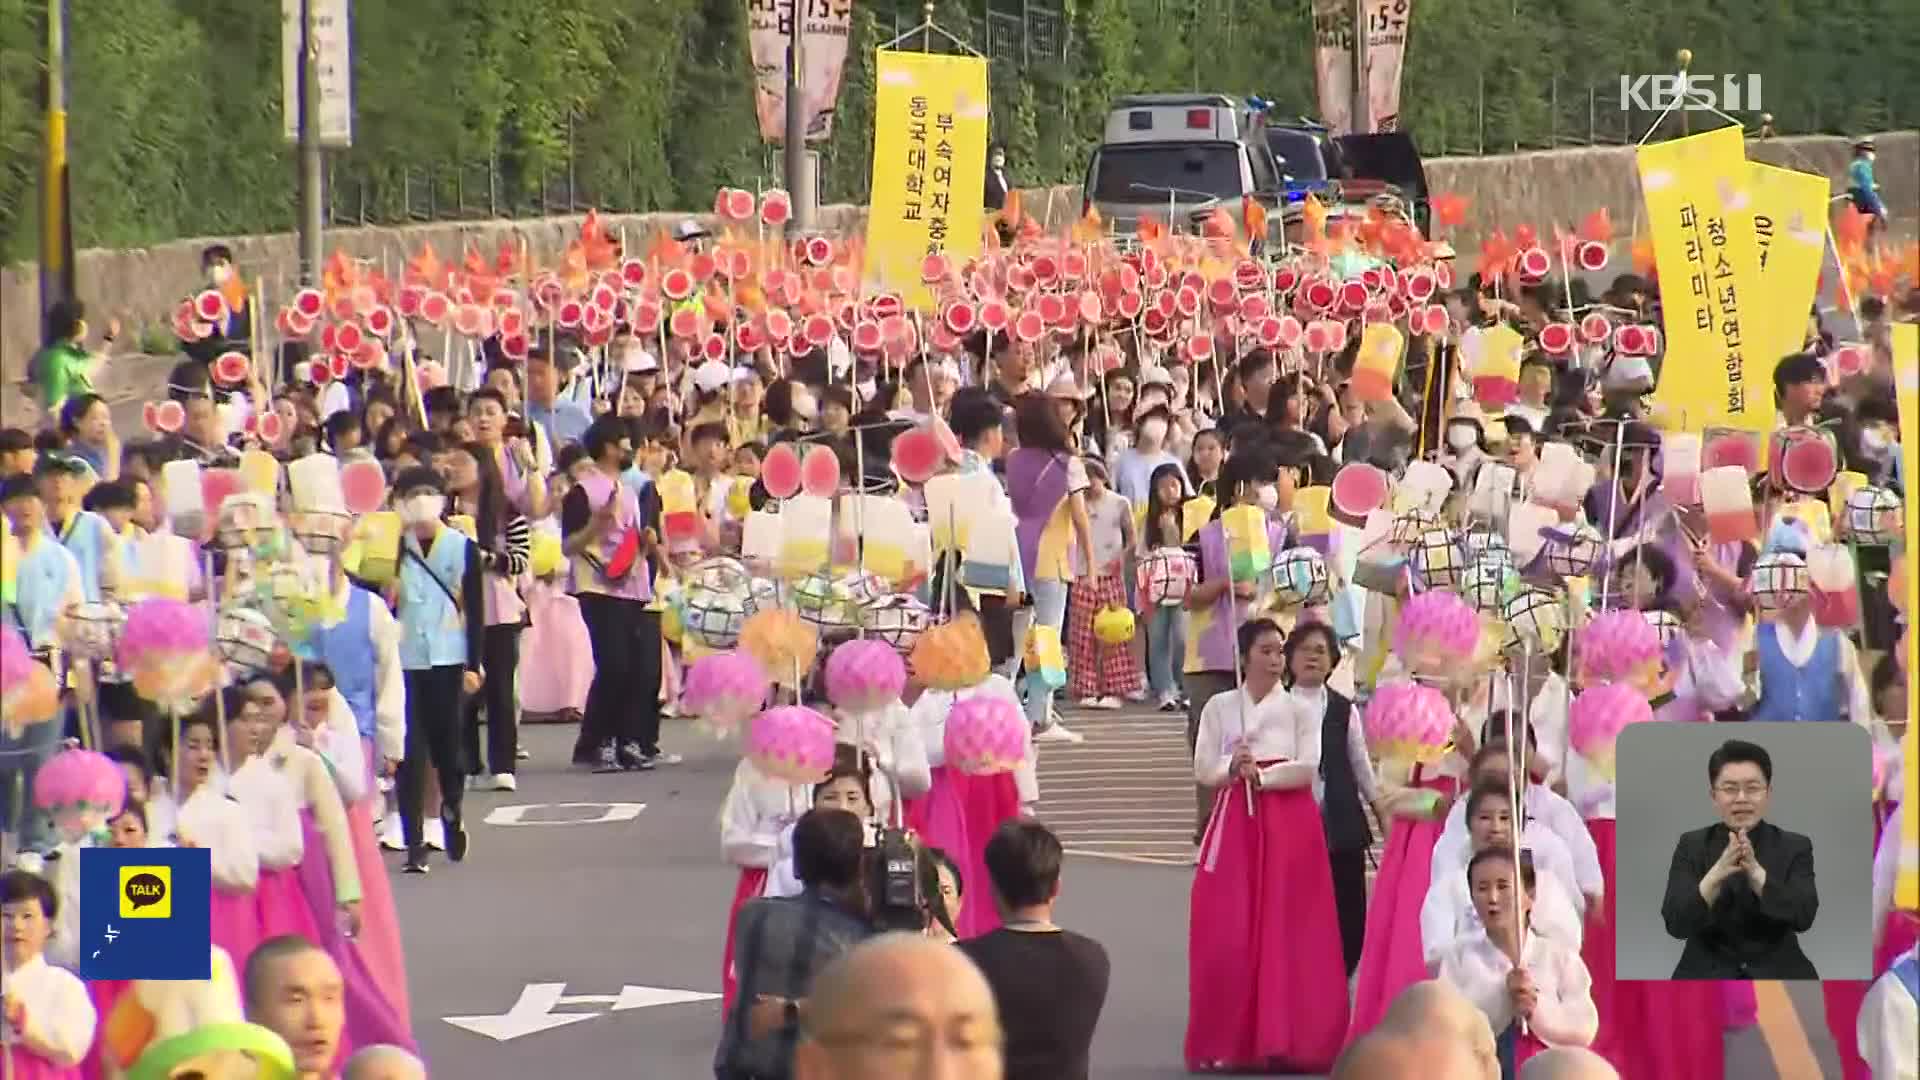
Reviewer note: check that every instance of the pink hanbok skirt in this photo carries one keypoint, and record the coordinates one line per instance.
(106, 993)
(24, 1064)
(235, 922)
(1393, 957)
(1649, 1030)
(283, 907)
(1845, 996)
(753, 882)
(1266, 983)
(958, 816)
(379, 939)
(371, 1018)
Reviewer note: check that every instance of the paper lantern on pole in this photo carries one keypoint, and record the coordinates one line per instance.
(724, 690)
(1597, 717)
(28, 690)
(1437, 557)
(1872, 517)
(864, 676)
(165, 647)
(1169, 574)
(1407, 723)
(1574, 551)
(1537, 619)
(792, 743)
(245, 638)
(1487, 585)
(783, 642)
(1778, 580)
(898, 620)
(1113, 626)
(81, 790)
(952, 656)
(1617, 646)
(713, 619)
(91, 631)
(1436, 634)
(985, 735)
(1300, 578)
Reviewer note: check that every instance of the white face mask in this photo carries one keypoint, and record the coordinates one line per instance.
(420, 509)
(1153, 431)
(805, 407)
(1460, 438)
(222, 273)
(1269, 497)
(1874, 441)
(866, 389)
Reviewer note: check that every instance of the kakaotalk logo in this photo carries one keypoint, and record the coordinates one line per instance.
(1693, 93)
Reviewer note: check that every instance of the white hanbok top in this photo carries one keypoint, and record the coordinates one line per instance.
(1279, 727)
(1889, 1026)
(59, 1015)
(213, 821)
(338, 743)
(929, 713)
(1543, 808)
(315, 787)
(1449, 915)
(898, 753)
(757, 808)
(272, 812)
(1563, 1015)
(63, 945)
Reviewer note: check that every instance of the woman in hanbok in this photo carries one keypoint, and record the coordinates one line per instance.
(757, 809)
(272, 810)
(1449, 913)
(47, 1019)
(893, 752)
(1895, 931)
(960, 812)
(1266, 982)
(848, 787)
(209, 817)
(328, 875)
(1533, 988)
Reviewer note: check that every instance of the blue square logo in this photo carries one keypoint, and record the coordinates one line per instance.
(145, 913)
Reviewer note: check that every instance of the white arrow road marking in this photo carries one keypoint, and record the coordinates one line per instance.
(604, 813)
(532, 1013)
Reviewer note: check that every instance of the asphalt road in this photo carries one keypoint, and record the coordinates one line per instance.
(609, 932)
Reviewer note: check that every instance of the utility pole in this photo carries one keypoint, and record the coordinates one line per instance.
(798, 161)
(311, 178)
(1362, 92)
(56, 215)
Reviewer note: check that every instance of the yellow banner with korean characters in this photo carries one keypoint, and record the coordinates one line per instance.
(1699, 199)
(1906, 366)
(1789, 226)
(929, 167)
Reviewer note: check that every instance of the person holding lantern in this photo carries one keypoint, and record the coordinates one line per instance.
(49, 1019)
(1266, 978)
(1449, 912)
(1095, 663)
(204, 815)
(1806, 671)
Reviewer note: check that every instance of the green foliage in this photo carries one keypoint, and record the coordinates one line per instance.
(471, 107)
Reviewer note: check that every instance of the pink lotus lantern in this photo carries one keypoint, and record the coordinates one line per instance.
(1437, 633)
(1618, 646)
(986, 735)
(81, 790)
(792, 743)
(724, 690)
(28, 692)
(167, 648)
(865, 676)
(1408, 723)
(1596, 719)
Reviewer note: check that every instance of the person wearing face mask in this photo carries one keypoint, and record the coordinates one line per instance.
(1465, 451)
(442, 609)
(1134, 467)
(235, 332)
(1879, 455)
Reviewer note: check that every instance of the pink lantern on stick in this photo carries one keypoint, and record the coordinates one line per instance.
(986, 735)
(81, 790)
(865, 676)
(1437, 633)
(28, 692)
(1409, 723)
(724, 690)
(167, 647)
(1596, 719)
(1618, 646)
(792, 743)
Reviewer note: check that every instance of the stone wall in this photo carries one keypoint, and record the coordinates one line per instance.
(142, 285)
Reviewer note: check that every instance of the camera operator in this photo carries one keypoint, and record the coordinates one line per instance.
(784, 942)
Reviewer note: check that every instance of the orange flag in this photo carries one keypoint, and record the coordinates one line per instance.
(1449, 209)
(1313, 214)
(424, 268)
(1253, 214)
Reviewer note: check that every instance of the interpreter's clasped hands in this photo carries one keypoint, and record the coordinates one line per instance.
(1746, 861)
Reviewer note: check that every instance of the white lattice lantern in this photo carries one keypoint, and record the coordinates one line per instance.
(245, 637)
(1409, 527)
(1872, 517)
(1170, 574)
(824, 602)
(1481, 544)
(1300, 578)
(91, 631)
(897, 620)
(863, 588)
(320, 532)
(714, 618)
(1485, 586)
(1577, 552)
(762, 594)
(1438, 559)
(1779, 579)
(720, 574)
(1536, 619)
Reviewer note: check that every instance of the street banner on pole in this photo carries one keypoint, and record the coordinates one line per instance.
(929, 167)
(333, 39)
(1700, 207)
(1387, 22)
(825, 31)
(1789, 217)
(1906, 367)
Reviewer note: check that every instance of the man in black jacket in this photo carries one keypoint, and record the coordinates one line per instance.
(1740, 892)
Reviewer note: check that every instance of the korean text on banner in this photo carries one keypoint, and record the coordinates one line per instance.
(1701, 211)
(1387, 22)
(824, 28)
(1789, 217)
(1906, 363)
(929, 167)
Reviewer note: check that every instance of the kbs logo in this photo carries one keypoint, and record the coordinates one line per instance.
(1693, 93)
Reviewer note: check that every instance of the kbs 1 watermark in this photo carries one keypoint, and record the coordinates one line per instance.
(1692, 93)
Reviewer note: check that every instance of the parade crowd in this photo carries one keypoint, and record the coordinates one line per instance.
(578, 537)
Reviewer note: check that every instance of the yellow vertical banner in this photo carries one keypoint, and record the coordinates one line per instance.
(1906, 366)
(1789, 225)
(1700, 208)
(929, 167)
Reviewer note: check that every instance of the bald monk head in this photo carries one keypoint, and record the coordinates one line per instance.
(1568, 1063)
(382, 1062)
(1409, 1055)
(1433, 1011)
(900, 1005)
